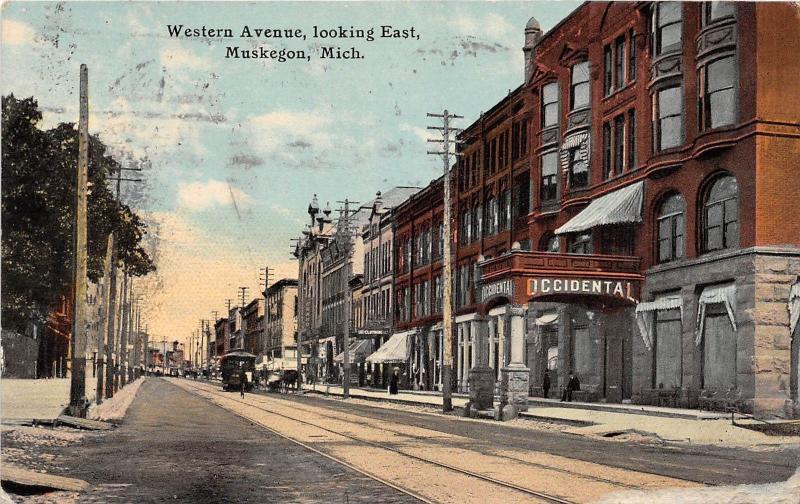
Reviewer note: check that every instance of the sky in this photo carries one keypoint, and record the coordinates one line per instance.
(232, 150)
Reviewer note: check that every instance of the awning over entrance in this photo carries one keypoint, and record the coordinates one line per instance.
(644, 317)
(619, 207)
(393, 351)
(724, 294)
(359, 350)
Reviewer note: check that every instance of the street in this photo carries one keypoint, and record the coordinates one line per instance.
(188, 441)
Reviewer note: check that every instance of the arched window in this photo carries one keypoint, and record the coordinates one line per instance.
(671, 222)
(721, 215)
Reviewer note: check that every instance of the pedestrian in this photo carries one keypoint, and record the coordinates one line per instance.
(394, 382)
(243, 381)
(572, 385)
(546, 383)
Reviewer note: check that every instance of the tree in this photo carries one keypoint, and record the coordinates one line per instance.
(38, 207)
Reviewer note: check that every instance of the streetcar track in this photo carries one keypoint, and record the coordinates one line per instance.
(494, 454)
(466, 472)
(369, 475)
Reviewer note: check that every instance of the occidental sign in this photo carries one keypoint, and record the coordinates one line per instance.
(542, 286)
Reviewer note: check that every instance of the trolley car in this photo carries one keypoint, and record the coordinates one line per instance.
(231, 365)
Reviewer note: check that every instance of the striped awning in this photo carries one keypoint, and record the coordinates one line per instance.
(359, 350)
(644, 317)
(395, 350)
(618, 207)
(794, 307)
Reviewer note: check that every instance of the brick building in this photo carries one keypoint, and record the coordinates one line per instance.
(626, 213)
(280, 329)
(253, 326)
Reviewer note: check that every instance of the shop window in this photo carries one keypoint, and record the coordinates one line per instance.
(580, 243)
(717, 101)
(671, 225)
(578, 169)
(667, 25)
(714, 11)
(721, 215)
(579, 86)
(550, 105)
(719, 349)
(549, 186)
(667, 352)
(668, 127)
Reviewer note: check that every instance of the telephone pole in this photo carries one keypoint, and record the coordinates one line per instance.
(102, 343)
(77, 392)
(123, 333)
(447, 268)
(268, 276)
(345, 237)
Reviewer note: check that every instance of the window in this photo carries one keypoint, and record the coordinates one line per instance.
(721, 215)
(579, 87)
(492, 154)
(619, 143)
(519, 139)
(608, 71)
(667, 27)
(717, 103)
(578, 169)
(608, 168)
(632, 56)
(504, 210)
(477, 222)
(669, 119)
(714, 11)
(549, 188)
(580, 243)
(522, 188)
(465, 227)
(491, 217)
(631, 139)
(550, 105)
(671, 228)
(552, 244)
(619, 63)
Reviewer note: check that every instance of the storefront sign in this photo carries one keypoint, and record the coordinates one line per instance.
(499, 288)
(543, 286)
(372, 332)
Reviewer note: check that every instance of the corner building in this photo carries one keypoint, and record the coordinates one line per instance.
(634, 201)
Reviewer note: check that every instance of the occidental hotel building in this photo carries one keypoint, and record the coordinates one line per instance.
(635, 202)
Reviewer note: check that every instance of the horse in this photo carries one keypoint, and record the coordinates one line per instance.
(289, 379)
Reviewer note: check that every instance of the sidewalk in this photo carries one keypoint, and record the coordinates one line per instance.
(604, 420)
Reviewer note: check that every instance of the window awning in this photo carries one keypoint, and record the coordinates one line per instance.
(393, 351)
(794, 307)
(618, 207)
(359, 350)
(724, 294)
(644, 318)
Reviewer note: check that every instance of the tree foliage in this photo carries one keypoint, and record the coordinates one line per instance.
(38, 208)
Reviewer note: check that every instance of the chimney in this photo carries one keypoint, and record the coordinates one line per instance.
(533, 33)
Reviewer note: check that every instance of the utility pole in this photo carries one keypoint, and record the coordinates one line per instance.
(268, 276)
(447, 267)
(112, 340)
(243, 294)
(77, 392)
(345, 235)
(102, 342)
(123, 334)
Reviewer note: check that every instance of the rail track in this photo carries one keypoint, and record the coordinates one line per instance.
(540, 496)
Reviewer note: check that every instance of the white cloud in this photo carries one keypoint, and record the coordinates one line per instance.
(420, 133)
(196, 196)
(300, 131)
(179, 57)
(16, 33)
